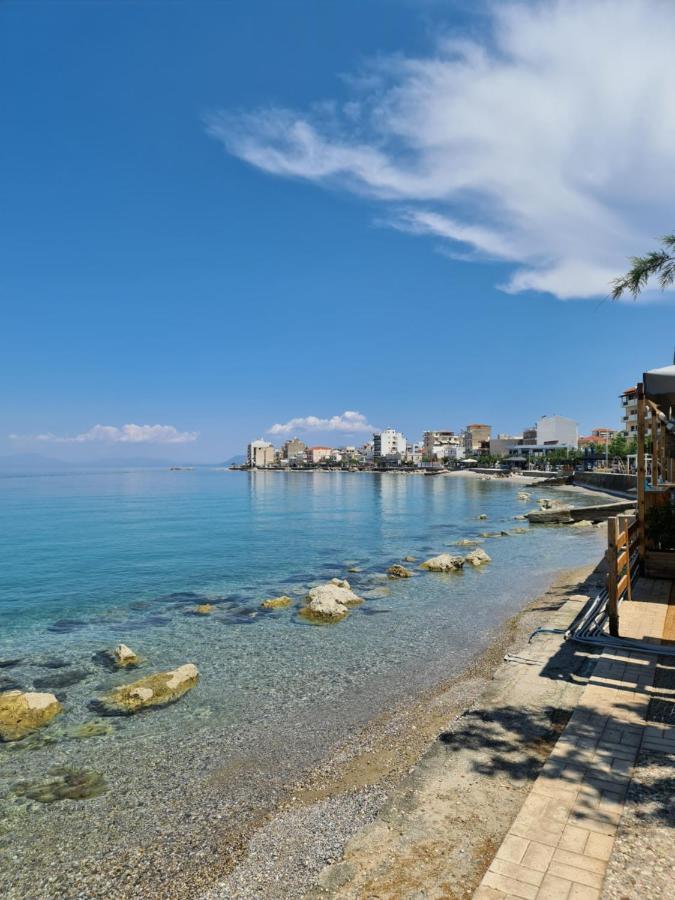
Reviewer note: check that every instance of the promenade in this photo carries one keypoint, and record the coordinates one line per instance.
(602, 801)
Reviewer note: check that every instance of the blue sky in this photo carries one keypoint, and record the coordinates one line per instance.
(217, 217)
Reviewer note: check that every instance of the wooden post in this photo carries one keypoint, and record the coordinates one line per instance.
(624, 530)
(641, 475)
(612, 578)
(653, 430)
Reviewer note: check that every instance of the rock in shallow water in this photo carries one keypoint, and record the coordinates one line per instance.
(443, 563)
(61, 679)
(22, 713)
(330, 602)
(477, 557)
(62, 784)
(150, 692)
(277, 602)
(397, 571)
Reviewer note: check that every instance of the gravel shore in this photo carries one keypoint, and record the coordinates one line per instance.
(371, 801)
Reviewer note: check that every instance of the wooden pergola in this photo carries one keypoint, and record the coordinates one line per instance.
(630, 547)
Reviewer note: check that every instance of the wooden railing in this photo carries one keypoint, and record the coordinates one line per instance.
(623, 539)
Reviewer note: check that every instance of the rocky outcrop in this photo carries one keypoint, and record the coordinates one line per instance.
(558, 515)
(397, 571)
(150, 692)
(277, 602)
(409, 559)
(482, 516)
(330, 602)
(443, 563)
(23, 712)
(123, 657)
(523, 495)
(477, 557)
(582, 523)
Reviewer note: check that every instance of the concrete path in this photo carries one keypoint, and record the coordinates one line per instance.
(561, 840)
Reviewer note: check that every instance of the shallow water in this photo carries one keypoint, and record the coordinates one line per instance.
(92, 559)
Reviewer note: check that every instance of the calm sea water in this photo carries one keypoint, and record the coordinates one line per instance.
(91, 559)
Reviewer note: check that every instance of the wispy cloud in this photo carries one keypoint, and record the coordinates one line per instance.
(547, 145)
(111, 434)
(349, 421)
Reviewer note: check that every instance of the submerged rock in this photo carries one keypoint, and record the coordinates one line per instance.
(519, 531)
(397, 571)
(582, 523)
(482, 516)
(204, 609)
(61, 679)
(9, 663)
(62, 784)
(89, 729)
(520, 518)
(409, 559)
(277, 602)
(354, 569)
(443, 563)
(150, 692)
(467, 542)
(477, 557)
(23, 712)
(523, 495)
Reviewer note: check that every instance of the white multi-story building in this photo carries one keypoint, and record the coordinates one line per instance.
(260, 454)
(558, 430)
(388, 443)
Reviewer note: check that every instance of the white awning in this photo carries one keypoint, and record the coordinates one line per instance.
(660, 385)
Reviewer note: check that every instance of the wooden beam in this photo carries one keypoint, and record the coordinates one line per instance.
(613, 601)
(641, 475)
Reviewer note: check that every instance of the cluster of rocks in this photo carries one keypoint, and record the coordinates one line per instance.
(23, 713)
(446, 562)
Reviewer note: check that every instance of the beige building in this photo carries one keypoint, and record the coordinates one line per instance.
(316, 455)
(477, 438)
(629, 411)
(500, 445)
(260, 454)
(294, 450)
(435, 443)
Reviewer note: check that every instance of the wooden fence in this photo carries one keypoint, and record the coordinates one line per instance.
(623, 539)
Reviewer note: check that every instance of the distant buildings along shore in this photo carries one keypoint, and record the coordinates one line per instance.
(390, 448)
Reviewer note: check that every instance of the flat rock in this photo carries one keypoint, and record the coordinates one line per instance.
(150, 692)
(559, 515)
(443, 563)
(277, 602)
(23, 712)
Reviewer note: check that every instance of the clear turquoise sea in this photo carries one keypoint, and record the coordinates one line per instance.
(91, 559)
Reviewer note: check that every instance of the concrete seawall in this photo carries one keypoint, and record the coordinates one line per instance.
(607, 481)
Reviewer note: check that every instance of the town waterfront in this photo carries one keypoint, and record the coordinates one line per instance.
(94, 558)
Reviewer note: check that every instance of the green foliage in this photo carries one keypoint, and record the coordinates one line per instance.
(660, 527)
(658, 263)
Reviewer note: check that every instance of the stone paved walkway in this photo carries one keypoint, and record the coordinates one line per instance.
(562, 838)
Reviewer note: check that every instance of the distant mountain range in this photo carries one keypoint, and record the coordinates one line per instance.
(234, 461)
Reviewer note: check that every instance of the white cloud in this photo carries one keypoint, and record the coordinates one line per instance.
(349, 421)
(126, 434)
(547, 145)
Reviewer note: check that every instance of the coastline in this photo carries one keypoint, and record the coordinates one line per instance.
(341, 831)
(200, 839)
